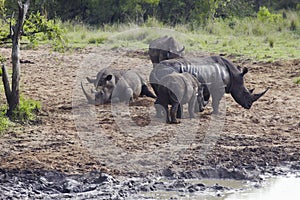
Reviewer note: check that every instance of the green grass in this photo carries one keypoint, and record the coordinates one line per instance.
(259, 40)
(27, 110)
(297, 81)
(4, 122)
(25, 113)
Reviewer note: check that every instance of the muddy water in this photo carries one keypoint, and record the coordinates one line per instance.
(274, 188)
(271, 188)
(15, 184)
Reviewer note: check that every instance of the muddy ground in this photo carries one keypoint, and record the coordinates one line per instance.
(62, 141)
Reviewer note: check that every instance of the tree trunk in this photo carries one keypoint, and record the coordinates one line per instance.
(13, 94)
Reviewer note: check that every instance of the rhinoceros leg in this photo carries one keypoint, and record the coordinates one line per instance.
(179, 111)
(173, 112)
(165, 109)
(217, 95)
(158, 109)
(129, 95)
(191, 106)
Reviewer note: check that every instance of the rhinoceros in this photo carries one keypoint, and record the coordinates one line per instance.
(117, 86)
(220, 75)
(164, 48)
(177, 89)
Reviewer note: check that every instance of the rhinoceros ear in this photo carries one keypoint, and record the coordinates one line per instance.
(239, 68)
(108, 77)
(90, 80)
(245, 70)
(251, 90)
(181, 50)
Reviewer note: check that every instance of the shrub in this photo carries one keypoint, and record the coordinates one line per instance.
(27, 110)
(153, 22)
(265, 15)
(297, 81)
(293, 26)
(98, 40)
(4, 123)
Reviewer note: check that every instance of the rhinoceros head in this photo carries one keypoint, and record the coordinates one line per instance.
(102, 96)
(105, 77)
(239, 92)
(165, 48)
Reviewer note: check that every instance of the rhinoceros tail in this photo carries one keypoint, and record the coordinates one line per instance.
(145, 91)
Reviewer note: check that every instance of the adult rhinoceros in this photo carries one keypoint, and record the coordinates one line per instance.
(164, 48)
(219, 75)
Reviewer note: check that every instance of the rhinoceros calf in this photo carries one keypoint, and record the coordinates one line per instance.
(177, 89)
(117, 86)
(220, 75)
(164, 48)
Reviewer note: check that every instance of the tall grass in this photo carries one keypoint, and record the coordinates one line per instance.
(266, 37)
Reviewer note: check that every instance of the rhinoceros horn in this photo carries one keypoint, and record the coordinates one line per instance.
(89, 97)
(255, 97)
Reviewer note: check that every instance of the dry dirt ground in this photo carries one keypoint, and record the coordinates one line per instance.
(266, 135)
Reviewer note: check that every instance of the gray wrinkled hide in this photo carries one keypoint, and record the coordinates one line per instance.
(177, 89)
(219, 74)
(118, 86)
(101, 78)
(164, 48)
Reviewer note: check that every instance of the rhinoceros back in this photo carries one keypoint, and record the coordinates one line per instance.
(205, 70)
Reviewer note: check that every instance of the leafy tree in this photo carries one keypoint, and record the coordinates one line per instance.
(98, 12)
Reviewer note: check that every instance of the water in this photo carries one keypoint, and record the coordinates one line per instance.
(287, 188)
(275, 188)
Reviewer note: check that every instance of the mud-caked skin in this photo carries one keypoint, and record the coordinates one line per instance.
(177, 89)
(164, 48)
(219, 74)
(113, 85)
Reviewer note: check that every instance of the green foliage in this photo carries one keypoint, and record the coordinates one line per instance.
(4, 29)
(4, 122)
(2, 8)
(27, 110)
(265, 15)
(297, 81)
(96, 12)
(2, 60)
(38, 28)
(153, 22)
(97, 40)
(293, 26)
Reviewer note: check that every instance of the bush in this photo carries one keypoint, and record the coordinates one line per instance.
(265, 15)
(297, 81)
(4, 123)
(98, 40)
(27, 111)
